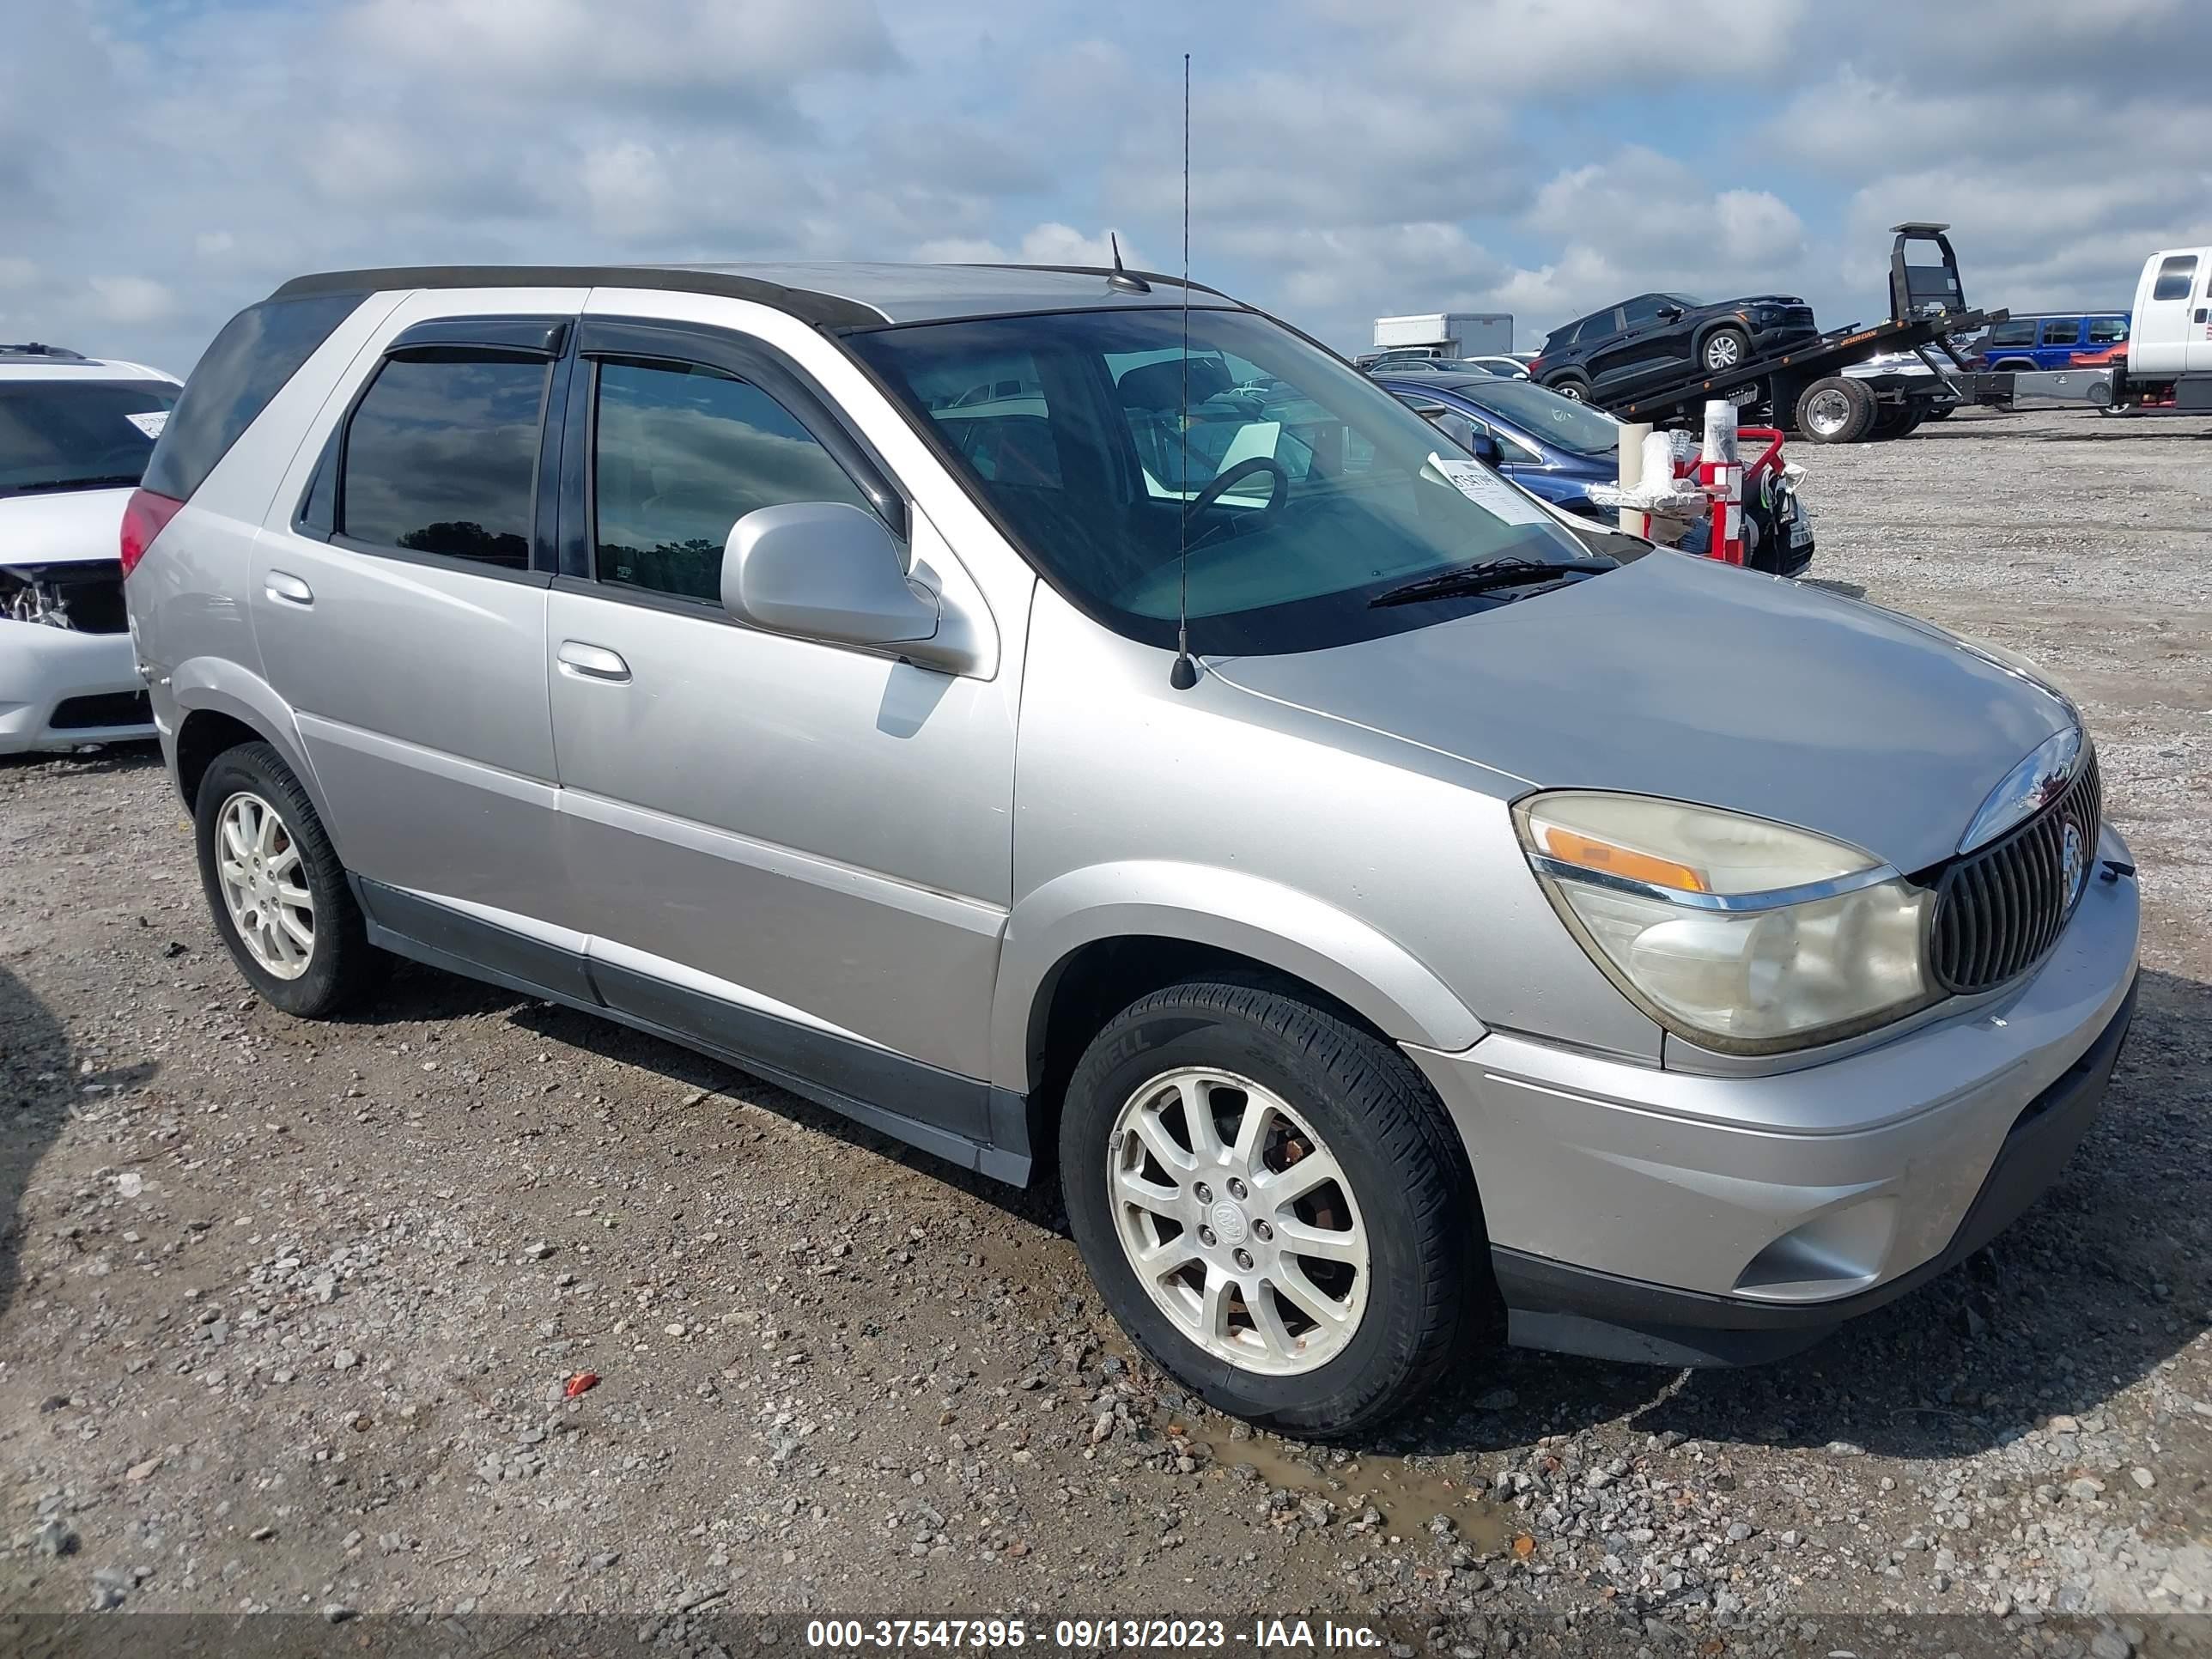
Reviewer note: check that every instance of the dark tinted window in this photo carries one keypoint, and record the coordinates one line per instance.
(2020, 331)
(257, 352)
(78, 435)
(2061, 331)
(2174, 277)
(440, 457)
(1643, 308)
(1597, 327)
(2107, 331)
(683, 454)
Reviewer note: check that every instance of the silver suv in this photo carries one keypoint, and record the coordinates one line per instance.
(1487, 915)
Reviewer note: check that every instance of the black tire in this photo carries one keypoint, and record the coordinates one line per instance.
(1732, 346)
(1893, 420)
(2014, 366)
(1570, 386)
(1836, 410)
(341, 962)
(1428, 1280)
(1939, 411)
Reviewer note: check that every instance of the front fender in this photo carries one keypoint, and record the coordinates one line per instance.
(1229, 910)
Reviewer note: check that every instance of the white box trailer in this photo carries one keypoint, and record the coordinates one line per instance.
(1447, 333)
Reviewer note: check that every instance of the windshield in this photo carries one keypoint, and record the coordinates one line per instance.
(78, 435)
(1309, 489)
(1685, 301)
(1576, 428)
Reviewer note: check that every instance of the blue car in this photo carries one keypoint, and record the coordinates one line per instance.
(1557, 447)
(2049, 339)
(1551, 446)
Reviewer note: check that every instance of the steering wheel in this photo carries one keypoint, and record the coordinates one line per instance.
(1279, 491)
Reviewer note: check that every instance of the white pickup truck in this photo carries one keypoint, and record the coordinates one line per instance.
(2169, 351)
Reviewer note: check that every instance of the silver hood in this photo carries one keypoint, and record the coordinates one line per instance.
(1677, 677)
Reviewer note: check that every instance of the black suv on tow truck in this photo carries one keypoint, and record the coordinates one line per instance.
(1591, 355)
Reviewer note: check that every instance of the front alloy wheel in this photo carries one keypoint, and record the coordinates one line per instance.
(1237, 1220)
(264, 886)
(1273, 1203)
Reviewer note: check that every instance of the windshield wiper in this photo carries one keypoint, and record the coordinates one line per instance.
(115, 480)
(1485, 577)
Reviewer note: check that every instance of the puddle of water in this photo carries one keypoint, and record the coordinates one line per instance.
(1408, 1496)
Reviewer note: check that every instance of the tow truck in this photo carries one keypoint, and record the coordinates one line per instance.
(1808, 386)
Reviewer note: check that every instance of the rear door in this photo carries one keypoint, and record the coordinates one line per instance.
(2056, 342)
(1647, 342)
(2168, 328)
(1598, 344)
(398, 599)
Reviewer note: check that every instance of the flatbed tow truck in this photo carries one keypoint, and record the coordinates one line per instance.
(1806, 386)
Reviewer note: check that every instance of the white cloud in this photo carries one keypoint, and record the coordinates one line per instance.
(1051, 243)
(578, 47)
(131, 299)
(1550, 46)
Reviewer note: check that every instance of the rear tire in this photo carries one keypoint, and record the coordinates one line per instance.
(1894, 422)
(273, 883)
(1836, 410)
(1402, 1275)
(1570, 386)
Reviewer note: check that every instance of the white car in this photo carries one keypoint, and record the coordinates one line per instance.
(74, 433)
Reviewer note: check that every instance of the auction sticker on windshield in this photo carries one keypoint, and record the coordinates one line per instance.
(1487, 490)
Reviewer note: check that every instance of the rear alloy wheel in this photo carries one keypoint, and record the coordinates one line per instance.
(1836, 411)
(1572, 387)
(273, 880)
(1724, 349)
(1274, 1203)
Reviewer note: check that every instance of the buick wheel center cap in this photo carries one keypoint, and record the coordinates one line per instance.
(2072, 864)
(1228, 1223)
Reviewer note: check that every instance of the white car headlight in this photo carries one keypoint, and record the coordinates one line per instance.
(1737, 934)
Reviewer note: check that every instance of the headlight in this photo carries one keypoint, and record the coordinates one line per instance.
(1737, 934)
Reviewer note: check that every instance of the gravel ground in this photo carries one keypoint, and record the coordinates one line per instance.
(288, 1313)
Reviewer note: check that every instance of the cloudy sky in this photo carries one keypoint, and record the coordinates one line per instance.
(164, 161)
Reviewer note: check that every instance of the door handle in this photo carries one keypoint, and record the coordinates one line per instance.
(283, 584)
(593, 662)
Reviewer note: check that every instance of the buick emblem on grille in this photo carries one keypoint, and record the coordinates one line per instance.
(2073, 864)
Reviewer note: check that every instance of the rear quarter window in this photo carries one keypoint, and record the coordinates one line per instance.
(258, 351)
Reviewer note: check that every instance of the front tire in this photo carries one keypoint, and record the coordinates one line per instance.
(275, 884)
(1274, 1204)
(1724, 349)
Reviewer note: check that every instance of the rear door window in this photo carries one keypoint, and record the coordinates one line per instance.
(683, 453)
(2062, 332)
(2176, 275)
(442, 458)
(258, 351)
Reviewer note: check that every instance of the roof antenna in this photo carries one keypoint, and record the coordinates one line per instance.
(1120, 281)
(1184, 674)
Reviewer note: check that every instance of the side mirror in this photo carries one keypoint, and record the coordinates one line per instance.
(1670, 313)
(823, 570)
(1484, 448)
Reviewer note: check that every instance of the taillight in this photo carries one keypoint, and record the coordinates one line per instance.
(144, 517)
(1534, 364)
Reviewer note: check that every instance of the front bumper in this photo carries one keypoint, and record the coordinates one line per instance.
(1698, 1219)
(48, 676)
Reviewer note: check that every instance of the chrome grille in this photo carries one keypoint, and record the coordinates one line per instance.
(2001, 908)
